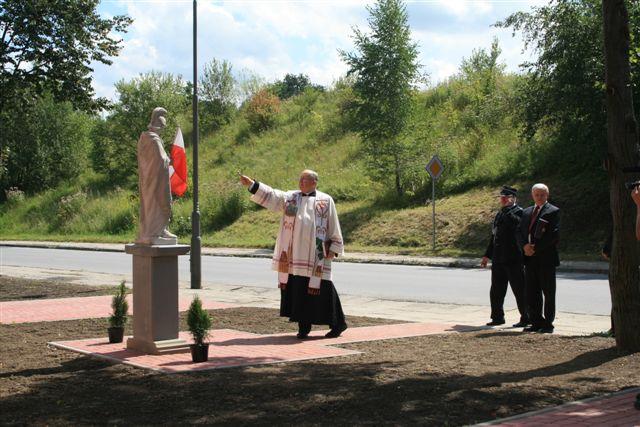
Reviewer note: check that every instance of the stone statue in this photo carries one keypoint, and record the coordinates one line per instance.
(153, 182)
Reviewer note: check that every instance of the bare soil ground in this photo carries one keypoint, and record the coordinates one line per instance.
(453, 379)
(14, 289)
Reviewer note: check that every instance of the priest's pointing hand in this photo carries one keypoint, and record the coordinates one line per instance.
(246, 181)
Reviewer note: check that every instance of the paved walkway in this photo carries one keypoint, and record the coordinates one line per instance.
(48, 310)
(230, 348)
(613, 410)
(411, 311)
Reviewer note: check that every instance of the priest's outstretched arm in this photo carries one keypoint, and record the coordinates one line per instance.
(264, 195)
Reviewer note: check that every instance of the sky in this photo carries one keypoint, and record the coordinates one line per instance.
(274, 37)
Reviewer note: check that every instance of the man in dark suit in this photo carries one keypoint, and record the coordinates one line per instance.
(538, 236)
(506, 259)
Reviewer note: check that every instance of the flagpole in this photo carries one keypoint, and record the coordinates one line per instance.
(196, 242)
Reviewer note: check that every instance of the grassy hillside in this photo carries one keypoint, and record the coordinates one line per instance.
(479, 146)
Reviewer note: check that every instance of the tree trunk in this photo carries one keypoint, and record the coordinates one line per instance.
(622, 136)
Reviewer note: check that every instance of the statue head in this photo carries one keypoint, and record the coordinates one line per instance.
(158, 119)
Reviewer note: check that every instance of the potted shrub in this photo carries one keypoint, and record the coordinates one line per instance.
(118, 317)
(199, 323)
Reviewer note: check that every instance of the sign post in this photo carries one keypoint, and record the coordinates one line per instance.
(435, 168)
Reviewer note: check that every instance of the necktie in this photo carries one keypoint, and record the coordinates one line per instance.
(533, 217)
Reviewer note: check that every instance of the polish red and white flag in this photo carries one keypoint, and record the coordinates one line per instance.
(178, 168)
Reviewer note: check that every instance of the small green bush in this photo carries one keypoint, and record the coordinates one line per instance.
(14, 195)
(223, 208)
(198, 320)
(120, 222)
(69, 206)
(120, 307)
(180, 225)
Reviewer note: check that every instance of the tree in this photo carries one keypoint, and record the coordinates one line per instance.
(386, 71)
(292, 85)
(622, 136)
(563, 96)
(48, 45)
(480, 101)
(483, 69)
(114, 150)
(249, 84)
(45, 142)
(217, 94)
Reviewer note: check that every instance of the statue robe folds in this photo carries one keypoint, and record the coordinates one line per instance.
(155, 191)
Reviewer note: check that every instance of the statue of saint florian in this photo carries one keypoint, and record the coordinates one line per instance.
(154, 186)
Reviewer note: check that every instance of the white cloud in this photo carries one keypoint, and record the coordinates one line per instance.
(272, 38)
(445, 51)
(439, 70)
(466, 9)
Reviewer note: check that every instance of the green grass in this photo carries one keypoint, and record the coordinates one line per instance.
(309, 134)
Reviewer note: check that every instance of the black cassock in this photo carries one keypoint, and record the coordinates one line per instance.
(299, 306)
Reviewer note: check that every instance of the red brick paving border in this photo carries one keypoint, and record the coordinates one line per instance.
(616, 409)
(231, 348)
(228, 348)
(48, 310)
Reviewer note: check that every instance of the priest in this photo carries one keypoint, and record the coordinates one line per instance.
(308, 240)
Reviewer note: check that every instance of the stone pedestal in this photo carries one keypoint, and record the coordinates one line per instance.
(155, 297)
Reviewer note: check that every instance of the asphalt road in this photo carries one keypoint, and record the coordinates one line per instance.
(576, 292)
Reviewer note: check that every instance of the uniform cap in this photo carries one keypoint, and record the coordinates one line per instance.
(508, 191)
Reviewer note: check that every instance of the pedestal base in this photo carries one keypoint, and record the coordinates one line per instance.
(155, 297)
(156, 347)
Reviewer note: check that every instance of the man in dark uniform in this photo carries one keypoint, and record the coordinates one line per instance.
(506, 259)
(538, 236)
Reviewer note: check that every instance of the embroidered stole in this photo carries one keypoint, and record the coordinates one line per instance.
(285, 259)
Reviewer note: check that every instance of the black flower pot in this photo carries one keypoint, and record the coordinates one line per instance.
(199, 352)
(116, 334)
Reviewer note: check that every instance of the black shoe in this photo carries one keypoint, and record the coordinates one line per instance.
(521, 324)
(496, 323)
(545, 330)
(335, 332)
(531, 329)
(303, 330)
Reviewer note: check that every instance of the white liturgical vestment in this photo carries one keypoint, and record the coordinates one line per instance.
(309, 230)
